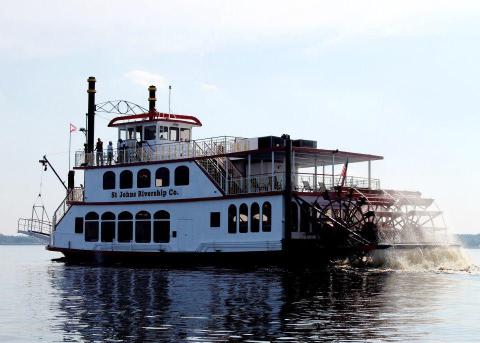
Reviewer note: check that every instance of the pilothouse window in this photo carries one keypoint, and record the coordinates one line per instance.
(163, 132)
(184, 135)
(150, 132)
(174, 133)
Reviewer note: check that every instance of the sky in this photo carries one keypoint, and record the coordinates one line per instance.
(394, 78)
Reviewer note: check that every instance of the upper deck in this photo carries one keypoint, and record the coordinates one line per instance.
(235, 164)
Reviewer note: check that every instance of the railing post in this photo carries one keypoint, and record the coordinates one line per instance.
(249, 171)
(369, 174)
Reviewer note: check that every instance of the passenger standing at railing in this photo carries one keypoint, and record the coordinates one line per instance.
(120, 151)
(99, 149)
(109, 153)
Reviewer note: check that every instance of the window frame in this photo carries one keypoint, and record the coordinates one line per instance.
(243, 224)
(180, 178)
(161, 227)
(111, 184)
(121, 179)
(232, 219)
(255, 222)
(147, 183)
(214, 221)
(167, 183)
(267, 224)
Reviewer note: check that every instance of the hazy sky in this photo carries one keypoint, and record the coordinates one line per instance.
(394, 78)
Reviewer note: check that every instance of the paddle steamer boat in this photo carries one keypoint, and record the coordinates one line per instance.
(162, 195)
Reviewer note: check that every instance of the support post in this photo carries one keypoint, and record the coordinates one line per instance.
(315, 175)
(249, 173)
(333, 169)
(226, 176)
(272, 171)
(287, 195)
(369, 174)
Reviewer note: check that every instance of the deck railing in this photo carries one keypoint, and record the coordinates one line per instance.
(30, 225)
(73, 195)
(309, 182)
(132, 152)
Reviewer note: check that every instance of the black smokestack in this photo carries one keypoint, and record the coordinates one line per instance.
(91, 114)
(151, 98)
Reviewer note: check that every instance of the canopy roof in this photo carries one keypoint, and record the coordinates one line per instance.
(307, 157)
(154, 117)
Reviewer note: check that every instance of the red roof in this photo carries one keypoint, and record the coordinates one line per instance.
(154, 116)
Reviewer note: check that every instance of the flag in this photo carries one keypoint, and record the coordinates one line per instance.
(73, 128)
(343, 174)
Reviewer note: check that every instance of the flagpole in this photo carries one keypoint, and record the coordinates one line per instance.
(69, 147)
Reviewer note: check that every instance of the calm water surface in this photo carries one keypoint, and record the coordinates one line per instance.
(43, 300)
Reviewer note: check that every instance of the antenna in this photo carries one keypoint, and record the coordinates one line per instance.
(169, 96)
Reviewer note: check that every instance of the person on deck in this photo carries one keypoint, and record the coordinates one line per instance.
(99, 149)
(109, 153)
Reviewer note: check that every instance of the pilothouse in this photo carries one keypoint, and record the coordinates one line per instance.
(159, 195)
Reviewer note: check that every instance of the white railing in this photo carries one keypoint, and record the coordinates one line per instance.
(74, 195)
(256, 184)
(31, 225)
(133, 152)
(309, 182)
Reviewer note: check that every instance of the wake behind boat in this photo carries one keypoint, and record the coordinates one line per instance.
(162, 196)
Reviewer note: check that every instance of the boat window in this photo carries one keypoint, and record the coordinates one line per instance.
(174, 133)
(79, 225)
(91, 227)
(243, 224)
(304, 218)
(108, 227)
(138, 133)
(255, 217)
(162, 177)
(266, 217)
(182, 176)
(143, 178)
(125, 227)
(214, 219)
(109, 180)
(294, 216)
(161, 227)
(232, 219)
(123, 134)
(131, 133)
(143, 227)
(126, 179)
(150, 132)
(163, 132)
(91, 216)
(184, 135)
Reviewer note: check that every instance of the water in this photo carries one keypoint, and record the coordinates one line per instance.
(48, 301)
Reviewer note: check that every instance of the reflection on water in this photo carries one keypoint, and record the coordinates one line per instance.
(122, 304)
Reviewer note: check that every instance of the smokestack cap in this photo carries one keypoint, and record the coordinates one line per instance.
(91, 84)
